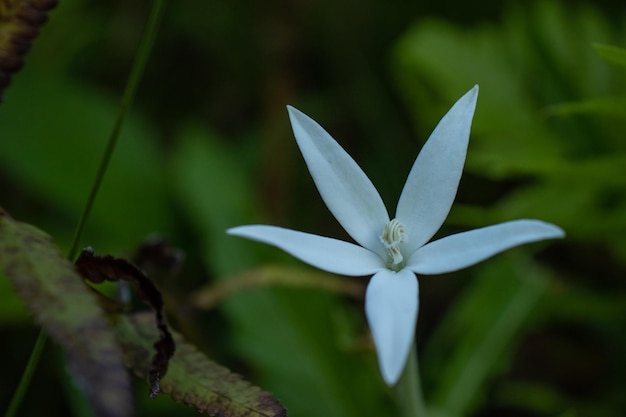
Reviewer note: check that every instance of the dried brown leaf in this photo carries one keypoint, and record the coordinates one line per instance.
(20, 21)
(99, 268)
(210, 296)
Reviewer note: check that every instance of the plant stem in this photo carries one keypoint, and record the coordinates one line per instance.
(408, 391)
(27, 375)
(136, 72)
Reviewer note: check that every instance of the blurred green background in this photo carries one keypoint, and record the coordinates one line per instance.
(537, 331)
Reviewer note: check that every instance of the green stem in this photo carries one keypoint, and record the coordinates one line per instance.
(408, 391)
(136, 72)
(27, 375)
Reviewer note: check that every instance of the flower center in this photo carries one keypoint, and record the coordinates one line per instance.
(393, 235)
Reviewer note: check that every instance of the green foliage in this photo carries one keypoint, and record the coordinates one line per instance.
(549, 127)
(569, 165)
(612, 54)
(477, 334)
(29, 127)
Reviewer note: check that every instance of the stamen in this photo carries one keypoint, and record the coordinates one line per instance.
(393, 235)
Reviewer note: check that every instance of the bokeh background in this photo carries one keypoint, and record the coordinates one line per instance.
(537, 331)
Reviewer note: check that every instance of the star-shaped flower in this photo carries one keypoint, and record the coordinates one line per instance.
(394, 250)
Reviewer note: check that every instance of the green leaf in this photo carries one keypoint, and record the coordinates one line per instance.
(192, 378)
(612, 54)
(612, 106)
(52, 156)
(69, 313)
(473, 339)
(524, 67)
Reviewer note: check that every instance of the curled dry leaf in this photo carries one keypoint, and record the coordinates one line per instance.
(20, 21)
(68, 311)
(98, 268)
(192, 378)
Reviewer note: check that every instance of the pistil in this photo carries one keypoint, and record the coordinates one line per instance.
(393, 235)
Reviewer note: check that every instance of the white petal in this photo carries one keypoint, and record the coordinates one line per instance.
(347, 191)
(461, 250)
(391, 302)
(433, 181)
(328, 254)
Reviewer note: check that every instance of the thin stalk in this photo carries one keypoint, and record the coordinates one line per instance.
(408, 391)
(136, 73)
(27, 375)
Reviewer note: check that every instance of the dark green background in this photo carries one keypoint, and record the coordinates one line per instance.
(537, 331)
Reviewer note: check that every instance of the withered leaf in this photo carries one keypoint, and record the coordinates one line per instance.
(20, 21)
(158, 258)
(192, 378)
(99, 268)
(66, 308)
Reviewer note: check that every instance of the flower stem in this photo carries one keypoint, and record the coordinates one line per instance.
(136, 72)
(408, 391)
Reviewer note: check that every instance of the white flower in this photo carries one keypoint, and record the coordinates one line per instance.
(394, 250)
